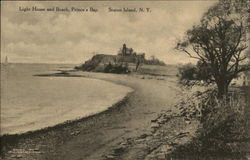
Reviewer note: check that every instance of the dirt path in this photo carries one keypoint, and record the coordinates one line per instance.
(91, 138)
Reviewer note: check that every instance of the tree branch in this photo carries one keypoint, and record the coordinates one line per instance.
(191, 55)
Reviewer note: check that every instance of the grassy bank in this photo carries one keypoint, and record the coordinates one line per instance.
(223, 133)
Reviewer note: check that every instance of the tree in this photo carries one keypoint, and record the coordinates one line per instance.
(191, 72)
(219, 41)
(187, 73)
(203, 72)
(138, 62)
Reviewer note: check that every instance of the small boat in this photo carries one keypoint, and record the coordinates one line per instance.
(6, 61)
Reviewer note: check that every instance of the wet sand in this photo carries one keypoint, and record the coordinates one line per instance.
(90, 138)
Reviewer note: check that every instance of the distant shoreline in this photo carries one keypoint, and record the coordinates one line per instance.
(41, 63)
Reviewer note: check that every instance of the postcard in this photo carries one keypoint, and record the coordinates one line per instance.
(125, 80)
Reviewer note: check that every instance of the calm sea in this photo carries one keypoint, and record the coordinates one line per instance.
(30, 102)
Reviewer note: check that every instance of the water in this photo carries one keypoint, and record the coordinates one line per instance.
(29, 102)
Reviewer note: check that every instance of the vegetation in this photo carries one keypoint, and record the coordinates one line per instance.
(115, 63)
(119, 69)
(189, 73)
(223, 132)
(219, 42)
(154, 61)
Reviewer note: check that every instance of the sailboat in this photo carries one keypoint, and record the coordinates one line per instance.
(6, 61)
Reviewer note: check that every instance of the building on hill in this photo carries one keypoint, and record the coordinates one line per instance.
(117, 63)
(124, 51)
(128, 55)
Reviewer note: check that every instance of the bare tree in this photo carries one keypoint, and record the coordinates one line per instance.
(219, 41)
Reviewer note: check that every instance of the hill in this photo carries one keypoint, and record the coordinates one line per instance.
(118, 63)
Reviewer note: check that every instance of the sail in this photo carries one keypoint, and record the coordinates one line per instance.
(6, 60)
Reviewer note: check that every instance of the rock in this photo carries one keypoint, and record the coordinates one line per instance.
(110, 157)
(164, 119)
(123, 144)
(154, 120)
(139, 140)
(173, 144)
(119, 150)
(151, 157)
(13, 156)
(17, 156)
(188, 121)
(75, 133)
(181, 135)
(165, 148)
(155, 125)
(129, 141)
(161, 156)
(143, 136)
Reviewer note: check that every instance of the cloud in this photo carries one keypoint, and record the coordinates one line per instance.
(73, 37)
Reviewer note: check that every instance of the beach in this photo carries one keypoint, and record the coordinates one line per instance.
(92, 137)
(30, 102)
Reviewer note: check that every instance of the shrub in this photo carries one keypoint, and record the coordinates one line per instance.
(223, 130)
(199, 74)
(187, 73)
(119, 69)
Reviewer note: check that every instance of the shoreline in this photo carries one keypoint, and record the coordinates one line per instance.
(95, 134)
(77, 117)
(8, 140)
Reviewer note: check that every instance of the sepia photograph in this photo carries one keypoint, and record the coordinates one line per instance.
(125, 80)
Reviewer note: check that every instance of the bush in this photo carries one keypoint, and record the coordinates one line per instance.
(190, 74)
(186, 73)
(118, 69)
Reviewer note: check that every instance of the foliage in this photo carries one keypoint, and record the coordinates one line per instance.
(224, 123)
(119, 69)
(154, 61)
(199, 72)
(223, 126)
(187, 72)
(204, 72)
(219, 41)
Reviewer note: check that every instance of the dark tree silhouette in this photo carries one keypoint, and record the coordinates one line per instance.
(219, 41)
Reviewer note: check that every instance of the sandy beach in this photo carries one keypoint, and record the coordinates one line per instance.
(90, 138)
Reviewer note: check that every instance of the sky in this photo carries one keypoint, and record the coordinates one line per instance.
(74, 37)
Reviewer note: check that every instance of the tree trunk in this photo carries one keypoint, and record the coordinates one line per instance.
(222, 88)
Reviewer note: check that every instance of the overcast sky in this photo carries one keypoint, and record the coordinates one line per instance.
(72, 37)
